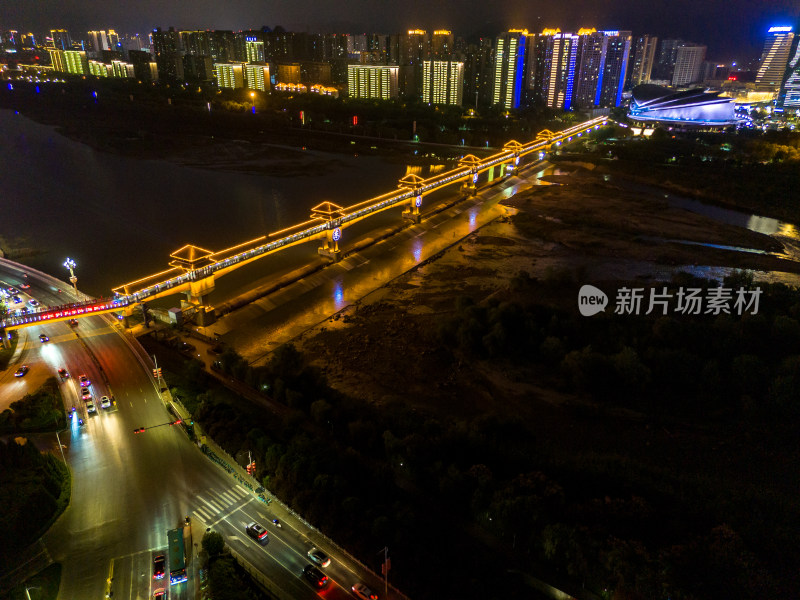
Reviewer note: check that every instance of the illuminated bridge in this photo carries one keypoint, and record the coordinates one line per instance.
(193, 269)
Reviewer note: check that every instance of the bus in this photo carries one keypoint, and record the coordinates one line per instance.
(177, 556)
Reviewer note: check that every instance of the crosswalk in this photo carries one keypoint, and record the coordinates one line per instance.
(214, 502)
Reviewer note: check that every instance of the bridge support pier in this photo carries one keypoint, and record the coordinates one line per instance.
(412, 212)
(330, 245)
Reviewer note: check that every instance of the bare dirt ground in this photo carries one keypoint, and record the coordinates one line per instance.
(383, 346)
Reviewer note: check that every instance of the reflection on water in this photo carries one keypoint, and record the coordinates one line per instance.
(763, 225)
(338, 294)
(417, 249)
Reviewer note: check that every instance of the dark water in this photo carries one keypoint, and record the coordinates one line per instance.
(119, 218)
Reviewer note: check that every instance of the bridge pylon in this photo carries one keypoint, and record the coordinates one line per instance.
(471, 162)
(515, 147)
(413, 183)
(332, 215)
(195, 261)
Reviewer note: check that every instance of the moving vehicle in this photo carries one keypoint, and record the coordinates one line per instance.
(158, 566)
(257, 532)
(319, 557)
(362, 591)
(24, 286)
(84, 380)
(33, 302)
(73, 322)
(177, 556)
(86, 393)
(21, 371)
(276, 522)
(90, 407)
(43, 338)
(63, 373)
(315, 576)
(105, 402)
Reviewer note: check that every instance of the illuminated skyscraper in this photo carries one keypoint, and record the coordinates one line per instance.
(643, 54)
(789, 96)
(256, 77)
(775, 58)
(442, 82)
(255, 49)
(441, 44)
(509, 68)
(229, 75)
(166, 48)
(372, 81)
(99, 41)
(61, 39)
(688, 64)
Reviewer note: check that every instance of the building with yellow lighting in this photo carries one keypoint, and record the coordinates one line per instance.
(372, 81)
(229, 75)
(257, 77)
(442, 82)
(509, 68)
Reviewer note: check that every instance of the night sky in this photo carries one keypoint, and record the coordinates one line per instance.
(730, 28)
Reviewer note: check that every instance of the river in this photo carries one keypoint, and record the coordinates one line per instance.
(119, 218)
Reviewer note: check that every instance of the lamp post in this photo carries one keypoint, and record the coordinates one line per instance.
(253, 98)
(70, 264)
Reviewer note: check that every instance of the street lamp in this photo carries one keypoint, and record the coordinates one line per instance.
(70, 264)
(253, 98)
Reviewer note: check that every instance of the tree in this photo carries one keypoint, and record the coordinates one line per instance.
(213, 544)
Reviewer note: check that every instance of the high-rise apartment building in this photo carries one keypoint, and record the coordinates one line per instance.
(688, 65)
(254, 49)
(479, 73)
(197, 67)
(775, 58)
(99, 41)
(166, 48)
(229, 75)
(58, 60)
(665, 60)
(144, 67)
(373, 81)
(509, 68)
(61, 39)
(256, 77)
(442, 82)
(643, 55)
(442, 42)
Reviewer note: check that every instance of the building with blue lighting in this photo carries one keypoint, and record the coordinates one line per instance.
(689, 109)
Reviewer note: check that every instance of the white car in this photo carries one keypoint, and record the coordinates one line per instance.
(105, 402)
(90, 408)
(363, 592)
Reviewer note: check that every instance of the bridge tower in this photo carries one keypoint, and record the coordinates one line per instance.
(545, 135)
(471, 162)
(332, 214)
(195, 260)
(413, 183)
(515, 147)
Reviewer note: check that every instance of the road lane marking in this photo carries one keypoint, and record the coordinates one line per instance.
(241, 489)
(225, 516)
(211, 506)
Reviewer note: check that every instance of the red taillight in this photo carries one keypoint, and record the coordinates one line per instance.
(262, 536)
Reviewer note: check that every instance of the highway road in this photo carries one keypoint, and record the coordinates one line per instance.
(129, 489)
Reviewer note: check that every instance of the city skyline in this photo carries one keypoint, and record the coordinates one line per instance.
(736, 31)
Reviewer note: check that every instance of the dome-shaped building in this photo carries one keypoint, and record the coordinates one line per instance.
(693, 108)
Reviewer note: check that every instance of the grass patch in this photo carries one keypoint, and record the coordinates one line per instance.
(42, 586)
(38, 412)
(7, 353)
